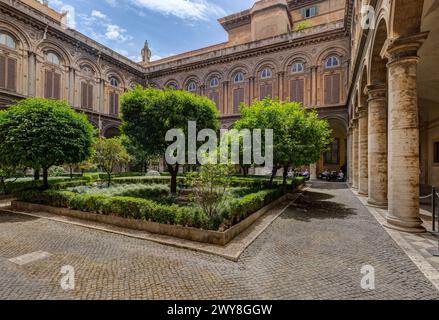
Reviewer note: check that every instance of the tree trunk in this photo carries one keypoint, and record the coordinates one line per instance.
(109, 179)
(71, 172)
(36, 174)
(174, 172)
(45, 178)
(273, 174)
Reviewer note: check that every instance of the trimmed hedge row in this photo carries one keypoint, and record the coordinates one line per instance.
(126, 207)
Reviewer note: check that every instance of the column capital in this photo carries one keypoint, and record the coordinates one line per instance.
(354, 123)
(403, 48)
(362, 111)
(376, 91)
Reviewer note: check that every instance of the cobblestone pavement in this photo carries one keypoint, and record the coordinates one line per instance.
(315, 250)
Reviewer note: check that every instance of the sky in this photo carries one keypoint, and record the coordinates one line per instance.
(170, 26)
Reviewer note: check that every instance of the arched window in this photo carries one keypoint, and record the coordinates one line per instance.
(266, 73)
(332, 62)
(297, 67)
(114, 82)
(172, 85)
(239, 77)
(87, 87)
(8, 64)
(192, 86)
(52, 58)
(214, 82)
(7, 40)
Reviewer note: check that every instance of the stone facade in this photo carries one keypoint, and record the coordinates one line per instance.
(38, 35)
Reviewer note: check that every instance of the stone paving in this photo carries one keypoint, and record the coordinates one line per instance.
(314, 250)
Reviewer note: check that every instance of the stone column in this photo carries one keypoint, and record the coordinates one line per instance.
(280, 85)
(32, 74)
(72, 86)
(404, 170)
(250, 90)
(355, 166)
(225, 97)
(101, 96)
(313, 171)
(377, 104)
(349, 152)
(363, 169)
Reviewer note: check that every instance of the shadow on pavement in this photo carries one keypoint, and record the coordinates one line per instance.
(9, 217)
(315, 205)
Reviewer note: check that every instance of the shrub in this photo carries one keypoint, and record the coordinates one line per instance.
(50, 197)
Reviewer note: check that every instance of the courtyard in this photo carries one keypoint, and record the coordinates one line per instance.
(314, 250)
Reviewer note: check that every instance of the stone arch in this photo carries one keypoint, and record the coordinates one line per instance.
(111, 131)
(21, 38)
(271, 63)
(333, 51)
(238, 68)
(49, 45)
(377, 63)
(209, 75)
(405, 17)
(297, 57)
(170, 81)
(85, 61)
(114, 73)
(189, 79)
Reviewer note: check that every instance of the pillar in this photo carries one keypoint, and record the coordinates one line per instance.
(349, 153)
(355, 174)
(313, 171)
(32, 74)
(403, 157)
(363, 170)
(377, 105)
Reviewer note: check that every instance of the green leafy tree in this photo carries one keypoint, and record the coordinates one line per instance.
(148, 114)
(299, 135)
(41, 133)
(8, 174)
(109, 154)
(140, 160)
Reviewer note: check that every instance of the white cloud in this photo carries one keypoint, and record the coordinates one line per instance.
(116, 33)
(184, 9)
(98, 14)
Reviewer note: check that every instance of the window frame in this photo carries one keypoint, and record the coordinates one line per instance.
(195, 87)
(332, 58)
(216, 83)
(241, 78)
(302, 66)
(268, 75)
(50, 61)
(332, 153)
(7, 37)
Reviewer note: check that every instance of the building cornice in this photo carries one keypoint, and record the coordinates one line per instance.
(225, 55)
(37, 20)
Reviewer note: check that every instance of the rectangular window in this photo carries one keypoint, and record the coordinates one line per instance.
(114, 103)
(238, 98)
(8, 73)
(297, 90)
(266, 90)
(86, 95)
(52, 85)
(332, 89)
(332, 156)
(309, 12)
(436, 152)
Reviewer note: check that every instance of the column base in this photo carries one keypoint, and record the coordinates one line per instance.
(377, 204)
(362, 193)
(405, 226)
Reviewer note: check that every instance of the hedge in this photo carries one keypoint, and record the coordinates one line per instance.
(127, 207)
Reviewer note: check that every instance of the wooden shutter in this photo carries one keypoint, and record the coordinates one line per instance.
(2, 71)
(111, 102)
(116, 104)
(90, 96)
(84, 93)
(297, 90)
(238, 98)
(332, 89)
(57, 86)
(48, 85)
(12, 74)
(214, 96)
(266, 90)
(335, 89)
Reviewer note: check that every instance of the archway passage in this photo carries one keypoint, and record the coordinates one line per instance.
(112, 132)
(336, 157)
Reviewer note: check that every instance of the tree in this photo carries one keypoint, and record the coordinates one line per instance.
(108, 154)
(8, 174)
(148, 114)
(299, 135)
(41, 133)
(140, 160)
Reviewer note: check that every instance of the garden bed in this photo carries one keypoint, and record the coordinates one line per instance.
(187, 233)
